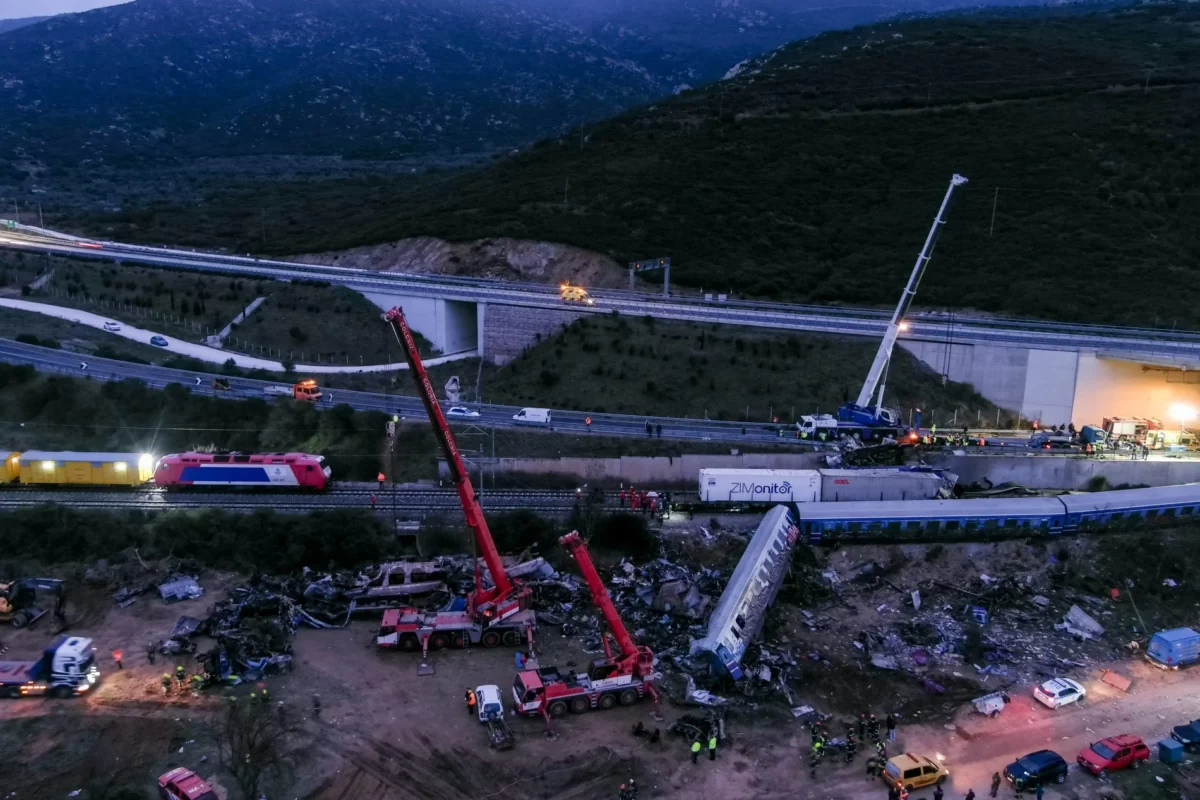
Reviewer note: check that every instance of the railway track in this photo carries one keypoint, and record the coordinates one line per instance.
(423, 502)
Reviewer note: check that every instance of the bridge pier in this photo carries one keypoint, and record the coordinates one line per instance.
(1057, 387)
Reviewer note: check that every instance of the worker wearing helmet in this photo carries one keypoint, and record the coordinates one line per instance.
(166, 683)
(472, 703)
(695, 749)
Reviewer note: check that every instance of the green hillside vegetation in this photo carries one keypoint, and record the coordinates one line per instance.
(642, 366)
(307, 322)
(814, 174)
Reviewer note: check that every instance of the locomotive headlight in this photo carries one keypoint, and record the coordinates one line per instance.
(146, 462)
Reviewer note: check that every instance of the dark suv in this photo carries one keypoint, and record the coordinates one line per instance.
(1188, 735)
(1042, 767)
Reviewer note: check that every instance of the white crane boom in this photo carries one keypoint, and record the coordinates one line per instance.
(876, 378)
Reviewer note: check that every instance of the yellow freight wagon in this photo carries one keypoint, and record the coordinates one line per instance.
(9, 471)
(85, 469)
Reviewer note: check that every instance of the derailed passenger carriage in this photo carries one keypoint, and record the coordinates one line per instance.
(1050, 515)
(300, 471)
(741, 611)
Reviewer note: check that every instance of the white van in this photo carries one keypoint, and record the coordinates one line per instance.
(533, 416)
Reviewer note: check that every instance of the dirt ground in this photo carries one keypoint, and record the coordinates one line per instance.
(385, 733)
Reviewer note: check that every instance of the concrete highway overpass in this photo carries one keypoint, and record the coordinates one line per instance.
(1053, 372)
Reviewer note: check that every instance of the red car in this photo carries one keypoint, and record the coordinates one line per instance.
(1116, 752)
(183, 784)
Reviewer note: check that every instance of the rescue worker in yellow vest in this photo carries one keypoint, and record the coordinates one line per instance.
(712, 746)
(695, 749)
(180, 675)
(166, 684)
(197, 685)
(471, 702)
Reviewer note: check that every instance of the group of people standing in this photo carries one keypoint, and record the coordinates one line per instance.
(646, 502)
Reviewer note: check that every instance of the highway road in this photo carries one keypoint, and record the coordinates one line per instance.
(931, 326)
(407, 407)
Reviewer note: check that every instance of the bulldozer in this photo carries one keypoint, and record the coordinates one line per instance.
(18, 601)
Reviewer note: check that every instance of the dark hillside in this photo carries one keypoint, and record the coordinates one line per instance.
(813, 175)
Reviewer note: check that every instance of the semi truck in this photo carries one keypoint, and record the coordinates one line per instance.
(748, 487)
(67, 668)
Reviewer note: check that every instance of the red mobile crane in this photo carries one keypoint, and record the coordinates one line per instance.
(493, 616)
(624, 677)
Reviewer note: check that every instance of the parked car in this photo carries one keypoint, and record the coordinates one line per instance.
(913, 771)
(461, 411)
(490, 705)
(112, 326)
(1058, 692)
(158, 341)
(1188, 735)
(1042, 767)
(1115, 752)
(183, 784)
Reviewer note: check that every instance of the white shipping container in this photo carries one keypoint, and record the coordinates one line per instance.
(870, 485)
(760, 485)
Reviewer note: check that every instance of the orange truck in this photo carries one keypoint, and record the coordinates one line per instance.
(304, 390)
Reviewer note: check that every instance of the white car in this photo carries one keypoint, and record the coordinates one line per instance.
(461, 411)
(1059, 692)
(489, 703)
(112, 326)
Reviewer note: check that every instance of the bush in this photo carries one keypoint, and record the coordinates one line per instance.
(516, 530)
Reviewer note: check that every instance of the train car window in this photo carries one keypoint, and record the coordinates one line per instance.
(1151, 513)
(914, 525)
(241, 459)
(1116, 516)
(952, 524)
(808, 526)
(1186, 511)
(220, 459)
(894, 525)
(1168, 512)
(972, 524)
(991, 524)
(1011, 523)
(933, 526)
(855, 527)
(874, 526)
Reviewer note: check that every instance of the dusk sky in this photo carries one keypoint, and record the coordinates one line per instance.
(12, 9)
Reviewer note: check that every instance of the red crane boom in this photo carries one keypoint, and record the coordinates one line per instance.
(633, 660)
(503, 587)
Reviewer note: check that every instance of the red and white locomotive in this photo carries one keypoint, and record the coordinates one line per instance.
(266, 470)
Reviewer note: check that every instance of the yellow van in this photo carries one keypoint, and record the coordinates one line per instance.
(914, 772)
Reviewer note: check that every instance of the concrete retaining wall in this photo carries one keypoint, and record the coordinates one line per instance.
(1069, 473)
(645, 470)
(508, 330)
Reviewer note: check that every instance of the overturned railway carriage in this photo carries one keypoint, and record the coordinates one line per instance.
(1051, 515)
(742, 609)
(300, 471)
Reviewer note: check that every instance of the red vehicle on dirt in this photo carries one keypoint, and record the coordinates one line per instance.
(1113, 753)
(183, 784)
(621, 678)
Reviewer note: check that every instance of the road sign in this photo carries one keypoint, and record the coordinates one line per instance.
(649, 264)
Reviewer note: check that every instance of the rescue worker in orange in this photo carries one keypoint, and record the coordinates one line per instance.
(472, 703)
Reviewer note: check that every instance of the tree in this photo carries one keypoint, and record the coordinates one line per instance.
(255, 740)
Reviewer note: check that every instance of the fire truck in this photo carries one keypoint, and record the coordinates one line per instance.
(499, 614)
(621, 677)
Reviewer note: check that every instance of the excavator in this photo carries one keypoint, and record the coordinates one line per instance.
(500, 614)
(624, 676)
